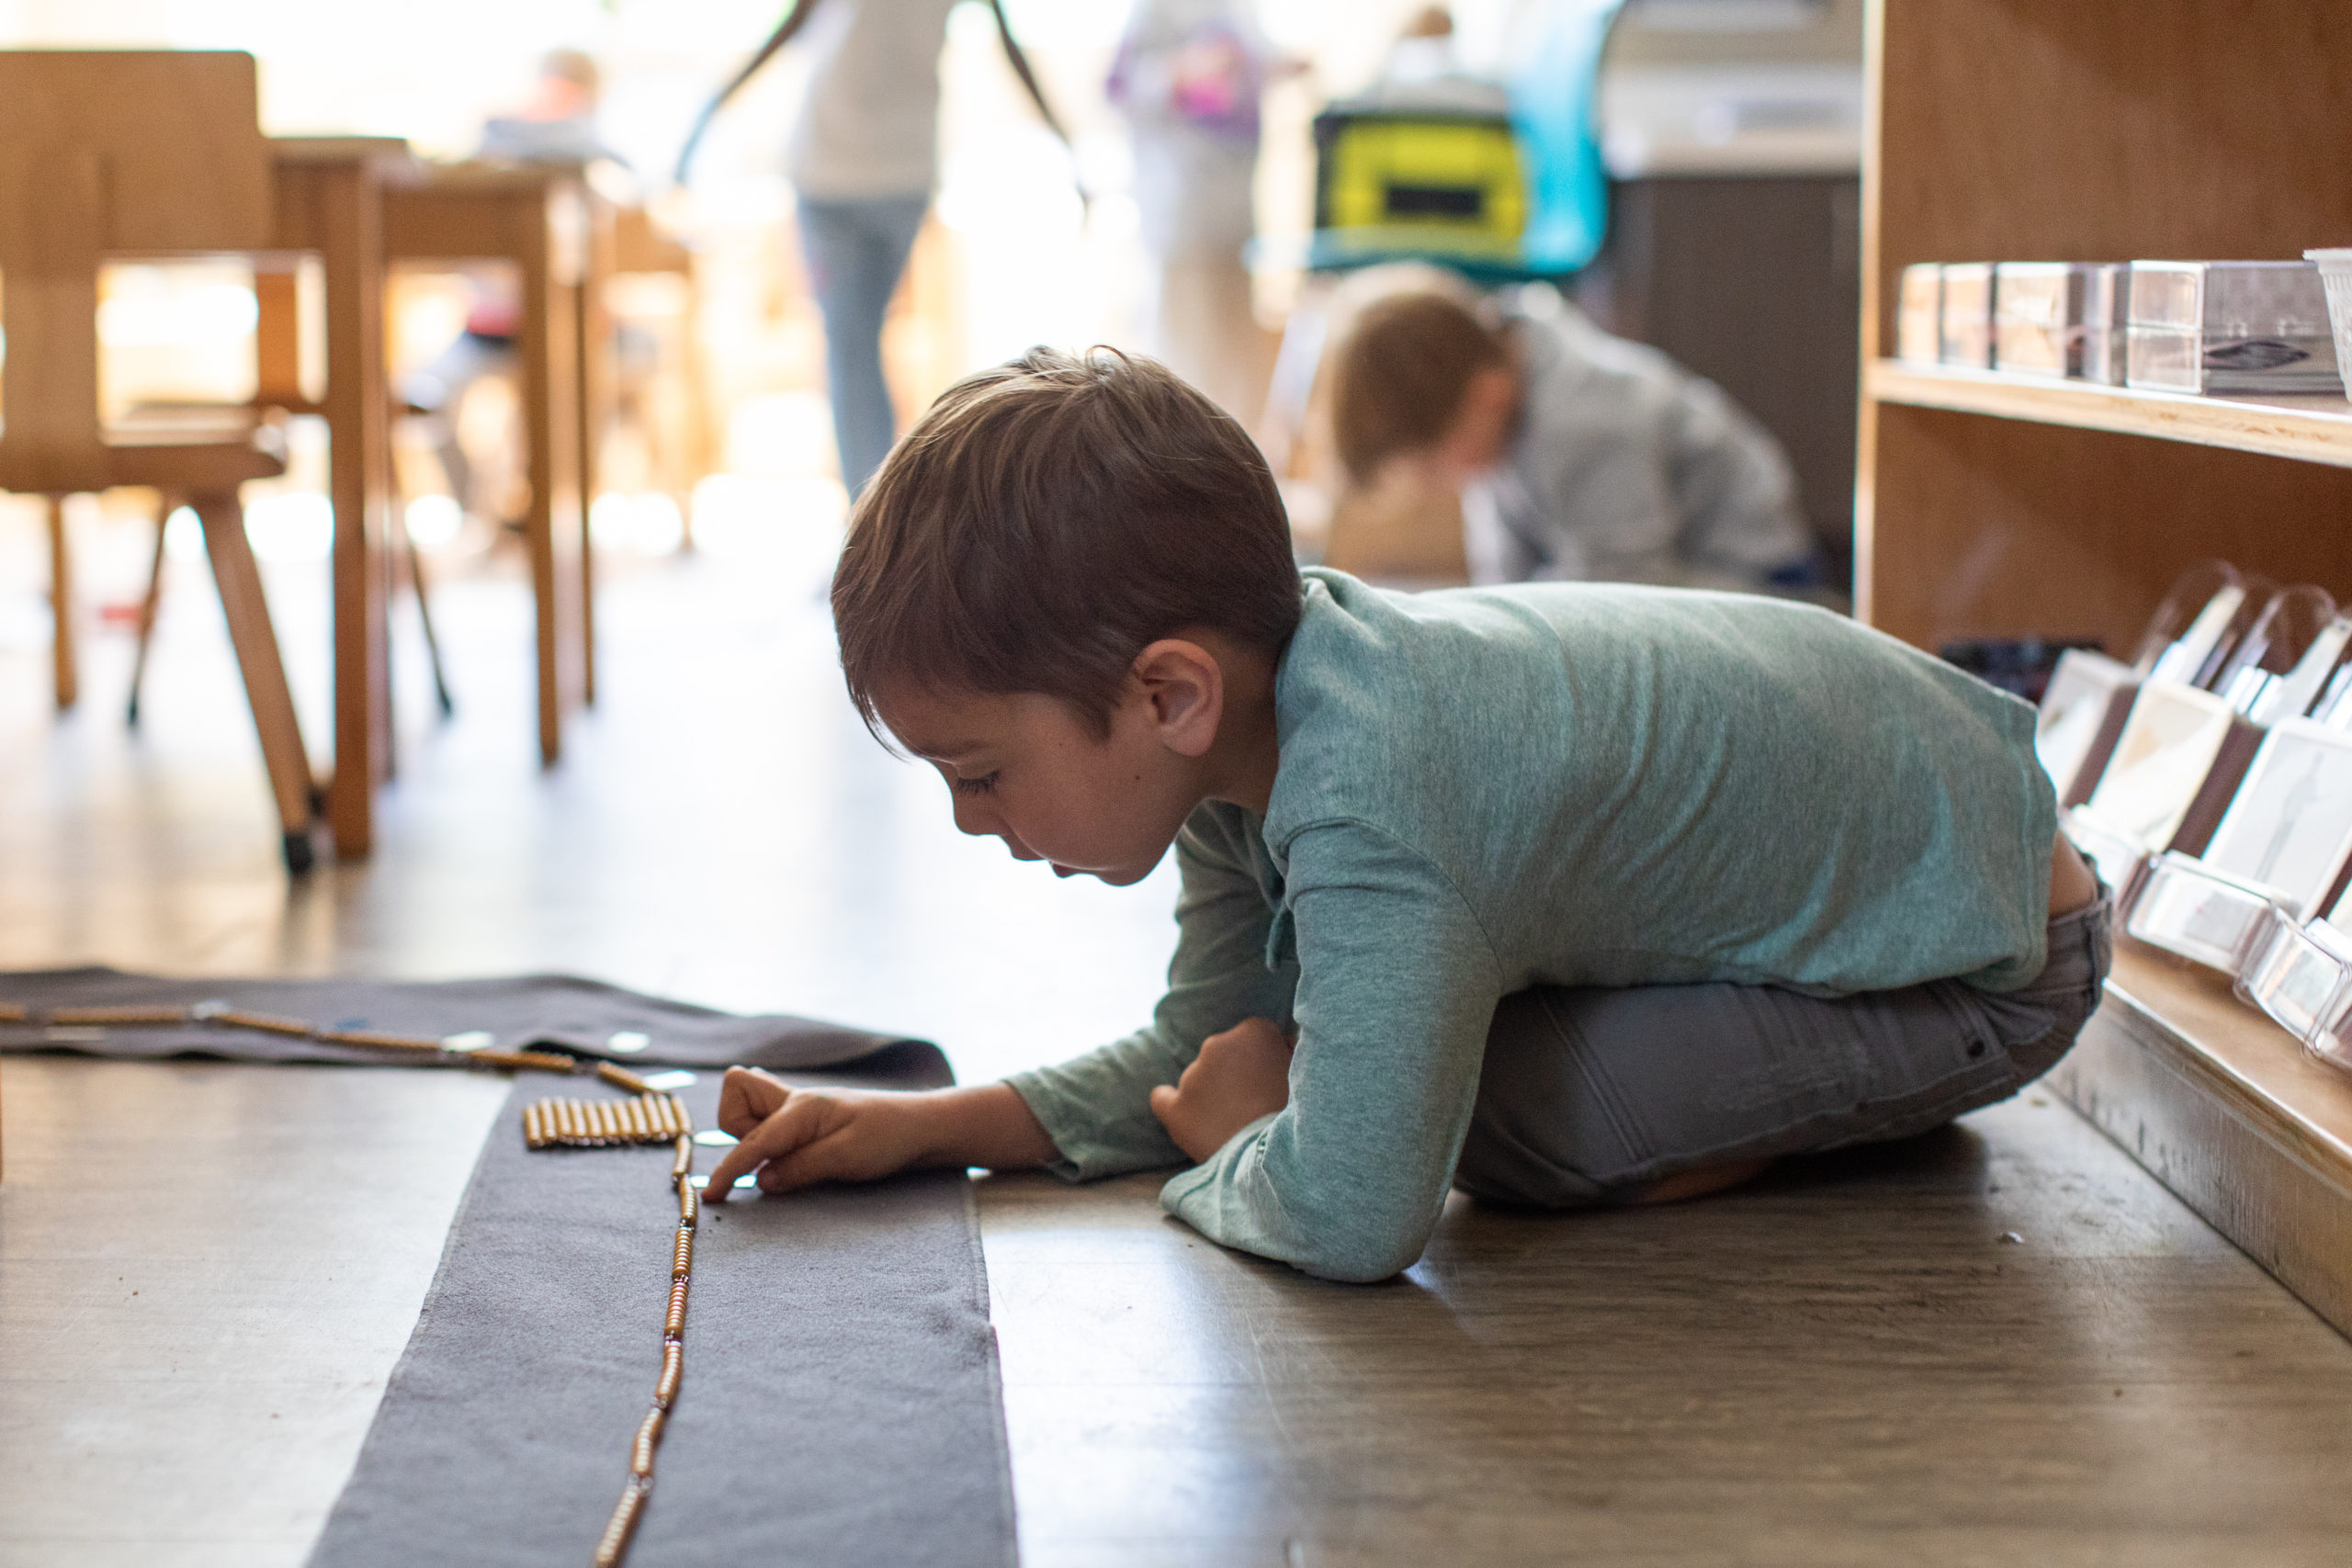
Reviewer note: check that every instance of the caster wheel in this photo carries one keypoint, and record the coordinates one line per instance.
(300, 856)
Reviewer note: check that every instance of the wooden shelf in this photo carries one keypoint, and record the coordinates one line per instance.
(2314, 429)
(2229, 1111)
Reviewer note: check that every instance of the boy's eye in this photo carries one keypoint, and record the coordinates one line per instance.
(984, 784)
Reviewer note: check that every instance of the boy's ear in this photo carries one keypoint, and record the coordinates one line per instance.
(1185, 686)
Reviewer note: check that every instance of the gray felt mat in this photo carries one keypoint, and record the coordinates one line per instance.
(840, 1404)
(580, 1016)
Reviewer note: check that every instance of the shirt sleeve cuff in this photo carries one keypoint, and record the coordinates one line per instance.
(1088, 1149)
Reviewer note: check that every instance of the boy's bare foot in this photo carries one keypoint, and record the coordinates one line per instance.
(1702, 1181)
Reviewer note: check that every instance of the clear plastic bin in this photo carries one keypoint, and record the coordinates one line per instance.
(2254, 327)
(2301, 975)
(1967, 335)
(2106, 323)
(1919, 314)
(2186, 907)
(2335, 279)
(2038, 317)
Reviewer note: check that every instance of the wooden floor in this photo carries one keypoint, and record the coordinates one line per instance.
(2003, 1344)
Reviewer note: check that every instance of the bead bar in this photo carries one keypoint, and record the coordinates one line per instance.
(521, 1061)
(372, 1040)
(613, 1546)
(11, 1013)
(683, 1165)
(673, 1324)
(673, 1368)
(648, 1438)
(687, 1206)
(682, 1262)
(101, 1017)
(261, 1023)
(621, 1079)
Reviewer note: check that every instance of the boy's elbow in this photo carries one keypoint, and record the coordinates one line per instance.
(1362, 1255)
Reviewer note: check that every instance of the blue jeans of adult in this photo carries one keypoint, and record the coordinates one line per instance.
(855, 250)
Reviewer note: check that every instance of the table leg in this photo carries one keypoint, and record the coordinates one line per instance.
(351, 232)
(553, 528)
(60, 604)
(592, 334)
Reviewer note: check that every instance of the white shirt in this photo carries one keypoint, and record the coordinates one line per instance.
(869, 125)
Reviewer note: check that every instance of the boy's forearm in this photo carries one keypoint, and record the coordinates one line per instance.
(987, 1125)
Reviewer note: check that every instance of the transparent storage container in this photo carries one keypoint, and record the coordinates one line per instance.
(2107, 320)
(2232, 328)
(1967, 334)
(2302, 975)
(2186, 907)
(2335, 282)
(2038, 317)
(1919, 314)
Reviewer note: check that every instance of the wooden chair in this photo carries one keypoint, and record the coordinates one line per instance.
(143, 153)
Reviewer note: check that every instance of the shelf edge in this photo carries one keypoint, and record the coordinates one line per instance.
(2232, 1155)
(2321, 433)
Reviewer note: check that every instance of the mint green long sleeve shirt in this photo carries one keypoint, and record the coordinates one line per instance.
(1556, 784)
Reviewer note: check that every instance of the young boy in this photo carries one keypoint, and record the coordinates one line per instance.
(1577, 456)
(1561, 894)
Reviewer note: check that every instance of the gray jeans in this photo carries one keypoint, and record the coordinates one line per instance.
(1589, 1095)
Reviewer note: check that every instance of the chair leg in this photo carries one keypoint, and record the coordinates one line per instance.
(257, 644)
(61, 603)
(416, 559)
(147, 608)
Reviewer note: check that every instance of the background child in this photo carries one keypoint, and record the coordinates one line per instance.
(1566, 894)
(1577, 456)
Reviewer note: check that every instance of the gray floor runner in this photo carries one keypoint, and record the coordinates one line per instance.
(840, 1404)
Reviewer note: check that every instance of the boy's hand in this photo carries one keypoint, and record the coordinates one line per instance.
(1239, 1075)
(796, 1137)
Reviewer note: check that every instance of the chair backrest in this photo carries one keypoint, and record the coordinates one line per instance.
(106, 152)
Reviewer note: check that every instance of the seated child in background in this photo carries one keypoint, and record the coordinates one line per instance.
(1562, 894)
(1577, 456)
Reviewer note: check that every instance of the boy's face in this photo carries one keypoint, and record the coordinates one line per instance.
(1026, 768)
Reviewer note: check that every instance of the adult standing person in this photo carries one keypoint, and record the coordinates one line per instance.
(864, 160)
(1188, 76)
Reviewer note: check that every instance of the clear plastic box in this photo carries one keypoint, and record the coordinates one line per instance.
(2038, 317)
(1967, 335)
(2302, 975)
(2230, 327)
(2335, 281)
(2186, 907)
(1919, 314)
(2107, 322)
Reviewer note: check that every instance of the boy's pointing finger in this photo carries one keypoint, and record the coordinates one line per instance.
(786, 1130)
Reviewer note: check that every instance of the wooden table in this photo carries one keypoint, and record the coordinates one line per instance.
(330, 200)
(543, 220)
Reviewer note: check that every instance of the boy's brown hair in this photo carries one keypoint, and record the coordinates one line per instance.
(1048, 520)
(1401, 374)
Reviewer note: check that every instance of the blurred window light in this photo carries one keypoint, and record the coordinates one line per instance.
(183, 534)
(295, 527)
(433, 521)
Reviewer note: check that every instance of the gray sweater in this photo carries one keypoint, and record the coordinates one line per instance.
(1485, 789)
(1629, 469)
